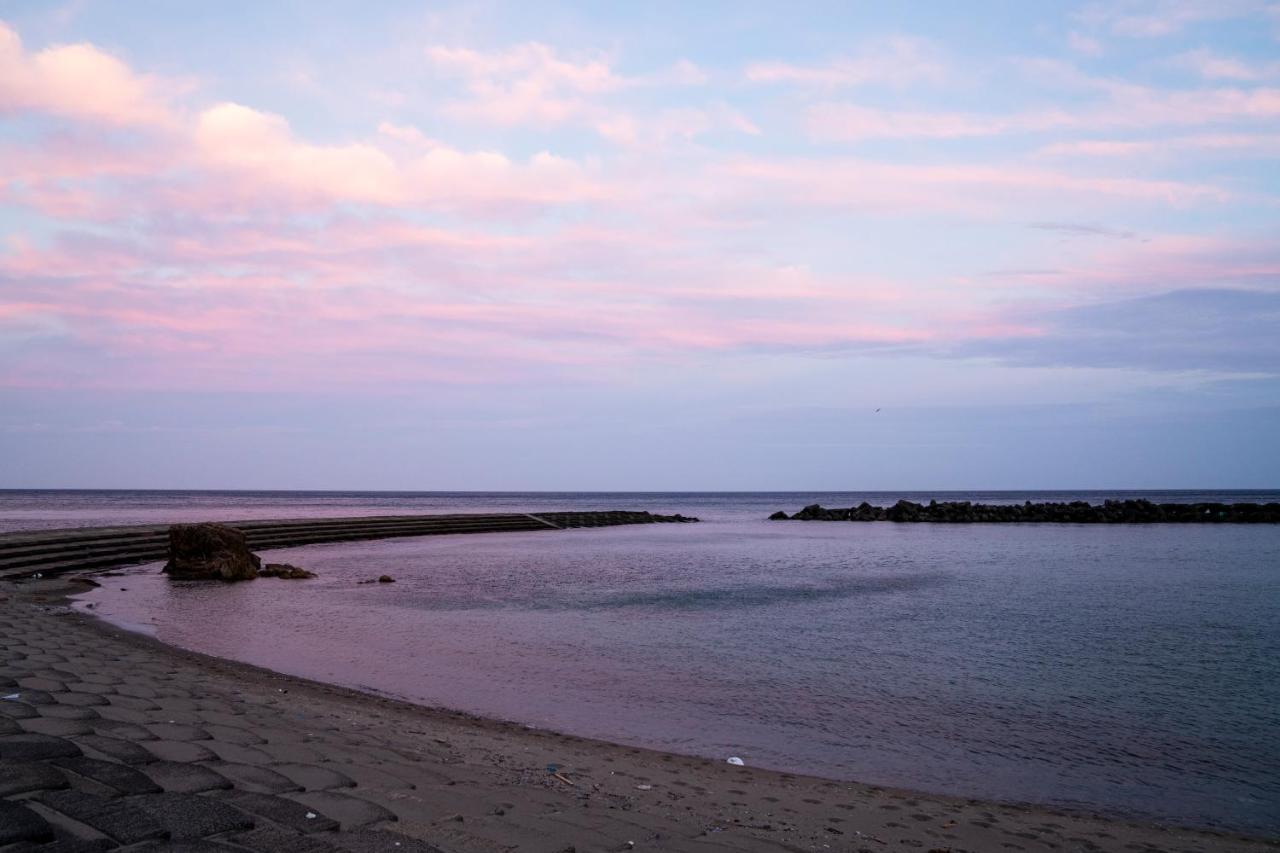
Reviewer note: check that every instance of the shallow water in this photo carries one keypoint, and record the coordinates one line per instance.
(1128, 669)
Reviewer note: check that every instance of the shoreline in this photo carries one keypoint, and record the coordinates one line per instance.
(689, 802)
(516, 727)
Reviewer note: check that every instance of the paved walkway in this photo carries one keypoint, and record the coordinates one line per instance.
(105, 745)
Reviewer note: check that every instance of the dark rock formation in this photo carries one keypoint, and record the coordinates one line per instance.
(386, 579)
(210, 551)
(1075, 512)
(284, 570)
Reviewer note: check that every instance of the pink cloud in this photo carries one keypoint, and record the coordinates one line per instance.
(894, 61)
(844, 121)
(1083, 44)
(261, 146)
(1213, 66)
(386, 302)
(261, 149)
(77, 81)
(222, 244)
(1160, 18)
(532, 62)
(532, 84)
(969, 189)
(526, 84)
(1127, 106)
(1230, 144)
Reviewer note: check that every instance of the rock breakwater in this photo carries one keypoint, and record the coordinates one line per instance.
(1074, 512)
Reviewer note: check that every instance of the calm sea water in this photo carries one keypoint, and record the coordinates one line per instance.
(1132, 670)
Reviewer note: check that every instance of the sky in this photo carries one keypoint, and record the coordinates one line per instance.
(650, 246)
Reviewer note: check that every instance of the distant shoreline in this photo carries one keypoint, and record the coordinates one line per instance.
(1075, 512)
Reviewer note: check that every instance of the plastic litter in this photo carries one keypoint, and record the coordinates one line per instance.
(552, 769)
(644, 787)
(12, 697)
(736, 761)
(311, 815)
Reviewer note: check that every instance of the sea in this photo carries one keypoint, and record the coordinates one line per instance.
(1126, 670)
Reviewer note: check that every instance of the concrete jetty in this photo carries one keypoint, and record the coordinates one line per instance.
(51, 552)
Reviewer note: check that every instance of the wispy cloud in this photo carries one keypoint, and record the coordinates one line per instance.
(1160, 18)
(896, 61)
(1213, 66)
(1084, 229)
(533, 84)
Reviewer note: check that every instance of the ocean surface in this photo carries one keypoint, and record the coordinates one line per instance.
(1131, 670)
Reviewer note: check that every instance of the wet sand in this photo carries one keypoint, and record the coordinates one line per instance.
(256, 749)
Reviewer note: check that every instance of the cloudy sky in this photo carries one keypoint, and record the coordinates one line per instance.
(738, 245)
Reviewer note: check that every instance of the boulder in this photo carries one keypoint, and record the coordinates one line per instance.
(209, 551)
(779, 516)
(284, 570)
(386, 579)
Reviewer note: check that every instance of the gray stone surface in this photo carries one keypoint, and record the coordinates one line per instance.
(116, 748)
(22, 778)
(351, 812)
(249, 777)
(19, 823)
(119, 777)
(269, 839)
(32, 697)
(285, 812)
(177, 731)
(63, 845)
(80, 699)
(34, 747)
(236, 753)
(123, 730)
(186, 778)
(176, 750)
(313, 777)
(188, 817)
(67, 712)
(190, 847)
(17, 709)
(382, 841)
(121, 820)
(56, 727)
(234, 734)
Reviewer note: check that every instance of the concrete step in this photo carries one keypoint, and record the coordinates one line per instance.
(54, 551)
(59, 544)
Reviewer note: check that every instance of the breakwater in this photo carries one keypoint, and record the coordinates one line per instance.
(1074, 512)
(81, 549)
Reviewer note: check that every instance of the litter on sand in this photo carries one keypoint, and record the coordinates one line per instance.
(736, 761)
(12, 697)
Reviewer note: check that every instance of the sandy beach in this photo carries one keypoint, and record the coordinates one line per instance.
(108, 725)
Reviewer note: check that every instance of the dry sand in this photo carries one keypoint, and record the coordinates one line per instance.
(212, 730)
